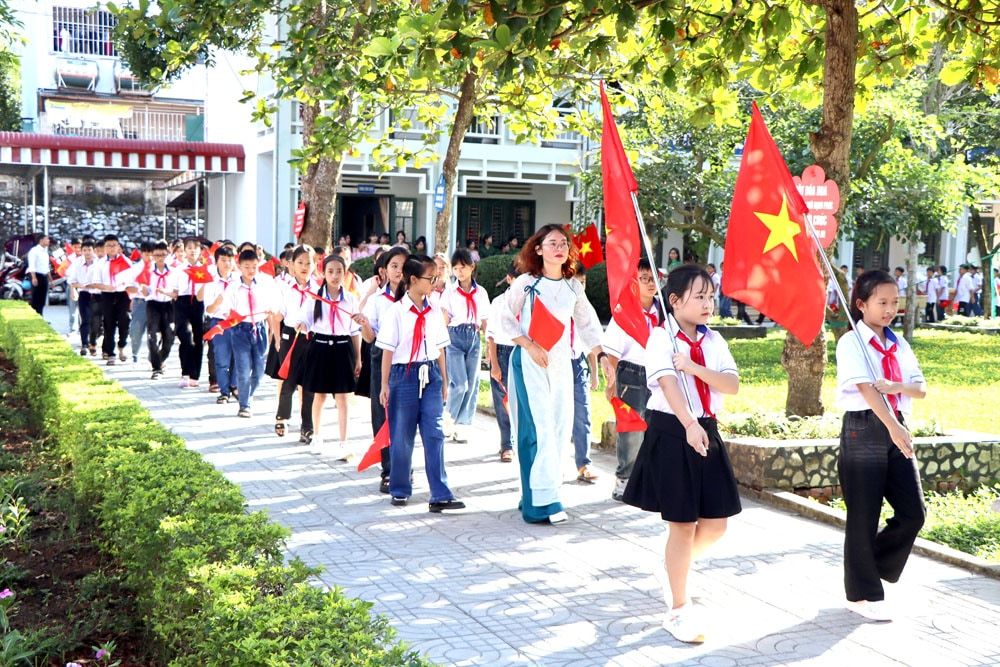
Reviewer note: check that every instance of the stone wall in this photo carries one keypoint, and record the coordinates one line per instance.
(963, 461)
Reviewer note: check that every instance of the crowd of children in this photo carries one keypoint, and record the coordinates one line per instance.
(409, 339)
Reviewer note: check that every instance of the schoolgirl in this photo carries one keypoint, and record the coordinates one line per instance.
(334, 359)
(498, 351)
(220, 348)
(414, 383)
(540, 382)
(465, 306)
(295, 297)
(876, 457)
(682, 469)
(189, 318)
(379, 299)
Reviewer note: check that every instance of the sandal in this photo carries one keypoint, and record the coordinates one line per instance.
(279, 429)
(506, 455)
(306, 436)
(586, 476)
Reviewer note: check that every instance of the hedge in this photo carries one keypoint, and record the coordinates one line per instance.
(209, 577)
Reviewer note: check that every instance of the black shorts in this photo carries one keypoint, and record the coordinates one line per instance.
(671, 478)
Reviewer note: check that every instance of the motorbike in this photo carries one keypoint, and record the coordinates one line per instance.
(16, 284)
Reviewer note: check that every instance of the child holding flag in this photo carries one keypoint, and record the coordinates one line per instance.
(113, 282)
(158, 290)
(414, 383)
(220, 345)
(189, 316)
(876, 458)
(682, 469)
(137, 328)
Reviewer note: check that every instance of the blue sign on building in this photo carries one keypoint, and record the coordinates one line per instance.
(439, 195)
(366, 189)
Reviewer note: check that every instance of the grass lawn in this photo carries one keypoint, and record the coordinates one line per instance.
(962, 371)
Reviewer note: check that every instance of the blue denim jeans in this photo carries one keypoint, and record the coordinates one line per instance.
(73, 307)
(581, 411)
(137, 329)
(463, 372)
(409, 409)
(632, 389)
(499, 393)
(725, 306)
(249, 343)
(222, 347)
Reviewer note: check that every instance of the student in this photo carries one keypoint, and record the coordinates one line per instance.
(964, 289)
(414, 384)
(334, 359)
(296, 296)
(540, 381)
(352, 281)
(944, 292)
(113, 280)
(39, 266)
(465, 306)
(379, 299)
(255, 297)
(498, 350)
(931, 290)
(158, 297)
(73, 295)
(876, 458)
(137, 327)
(977, 291)
(96, 296)
(220, 348)
(79, 276)
(682, 469)
(901, 281)
(584, 368)
(627, 380)
(189, 317)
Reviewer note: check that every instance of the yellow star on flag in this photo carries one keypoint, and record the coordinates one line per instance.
(585, 248)
(783, 229)
(626, 408)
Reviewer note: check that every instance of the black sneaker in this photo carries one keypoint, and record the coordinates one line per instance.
(398, 502)
(110, 362)
(383, 486)
(83, 351)
(446, 505)
(156, 375)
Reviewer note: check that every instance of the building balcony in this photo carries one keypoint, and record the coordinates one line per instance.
(119, 121)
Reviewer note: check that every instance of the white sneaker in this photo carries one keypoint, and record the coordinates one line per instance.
(317, 446)
(558, 517)
(183, 384)
(341, 452)
(873, 610)
(682, 623)
(619, 491)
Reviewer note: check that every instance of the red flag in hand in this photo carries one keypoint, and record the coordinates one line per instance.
(627, 420)
(621, 231)
(228, 323)
(588, 246)
(144, 276)
(286, 365)
(136, 255)
(68, 249)
(374, 453)
(545, 328)
(117, 265)
(770, 256)
(270, 267)
(199, 274)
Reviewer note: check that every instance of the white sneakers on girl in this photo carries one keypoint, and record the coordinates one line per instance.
(873, 610)
(684, 625)
(558, 517)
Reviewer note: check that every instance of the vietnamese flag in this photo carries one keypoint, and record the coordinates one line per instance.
(228, 323)
(588, 246)
(270, 266)
(545, 329)
(770, 256)
(374, 453)
(63, 267)
(117, 265)
(627, 420)
(621, 230)
(136, 255)
(286, 365)
(143, 277)
(68, 249)
(199, 274)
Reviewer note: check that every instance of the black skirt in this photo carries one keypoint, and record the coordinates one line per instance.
(364, 384)
(329, 367)
(299, 354)
(671, 478)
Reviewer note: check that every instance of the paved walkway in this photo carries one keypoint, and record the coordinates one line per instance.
(484, 588)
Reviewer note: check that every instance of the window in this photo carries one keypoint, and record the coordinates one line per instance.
(405, 216)
(85, 31)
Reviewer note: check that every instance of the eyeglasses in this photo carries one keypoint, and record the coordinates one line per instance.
(556, 245)
(431, 279)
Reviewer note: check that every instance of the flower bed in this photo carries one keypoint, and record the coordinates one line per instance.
(211, 583)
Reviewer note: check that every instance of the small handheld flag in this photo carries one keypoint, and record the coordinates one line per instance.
(286, 365)
(627, 420)
(199, 274)
(588, 246)
(545, 328)
(228, 323)
(374, 453)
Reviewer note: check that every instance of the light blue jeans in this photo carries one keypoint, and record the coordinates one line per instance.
(463, 372)
(137, 329)
(249, 343)
(581, 411)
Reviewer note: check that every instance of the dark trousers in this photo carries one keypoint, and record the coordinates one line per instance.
(499, 392)
(929, 312)
(189, 322)
(114, 307)
(964, 308)
(159, 334)
(96, 317)
(741, 312)
(285, 404)
(40, 292)
(871, 467)
(84, 315)
(378, 412)
(940, 311)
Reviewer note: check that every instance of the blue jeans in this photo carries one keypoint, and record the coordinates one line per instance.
(408, 409)
(463, 372)
(222, 346)
(499, 393)
(581, 411)
(137, 329)
(725, 306)
(72, 305)
(249, 343)
(632, 389)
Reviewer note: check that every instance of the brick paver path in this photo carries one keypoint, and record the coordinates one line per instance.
(484, 588)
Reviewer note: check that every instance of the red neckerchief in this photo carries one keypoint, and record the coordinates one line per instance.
(890, 367)
(653, 317)
(418, 329)
(161, 278)
(302, 291)
(388, 294)
(334, 309)
(470, 302)
(698, 357)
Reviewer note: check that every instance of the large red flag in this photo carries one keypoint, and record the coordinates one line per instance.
(621, 230)
(770, 256)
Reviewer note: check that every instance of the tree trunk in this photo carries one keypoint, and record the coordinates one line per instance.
(910, 315)
(832, 148)
(318, 189)
(463, 119)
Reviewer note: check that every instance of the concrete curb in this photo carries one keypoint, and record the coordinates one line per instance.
(819, 512)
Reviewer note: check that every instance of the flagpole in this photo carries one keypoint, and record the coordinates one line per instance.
(667, 316)
(847, 311)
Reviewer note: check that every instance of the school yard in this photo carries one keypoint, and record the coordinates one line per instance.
(483, 588)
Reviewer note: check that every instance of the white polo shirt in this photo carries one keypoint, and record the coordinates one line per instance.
(266, 298)
(619, 344)
(852, 369)
(457, 305)
(397, 327)
(339, 323)
(660, 363)
(493, 328)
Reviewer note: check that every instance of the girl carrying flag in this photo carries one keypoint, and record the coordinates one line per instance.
(295, 291)
(537, 315)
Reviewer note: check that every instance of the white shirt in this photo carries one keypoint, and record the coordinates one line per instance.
(397, 328)
(619, 344)
(901, 283)
(852, 369)
(120, 280)
(378, 303)
(660, 363)
(182, 281)
(133, 277)
(294, 296)
(456, 305)
(165, 279)
(338, 324)
(266, 298)
(930, 289)
(80, 273)
(38, 260)
(211, 291)
(963, 290)
(493, 328)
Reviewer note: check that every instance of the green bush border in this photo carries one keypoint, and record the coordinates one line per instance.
(209, 577)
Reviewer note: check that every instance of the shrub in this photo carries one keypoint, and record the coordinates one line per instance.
(209, 577)
(492, 270)
(364, 267)
(597, 291)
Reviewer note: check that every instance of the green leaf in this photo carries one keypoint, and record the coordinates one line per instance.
(955, 72)
(380, 46)
(502, 35)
